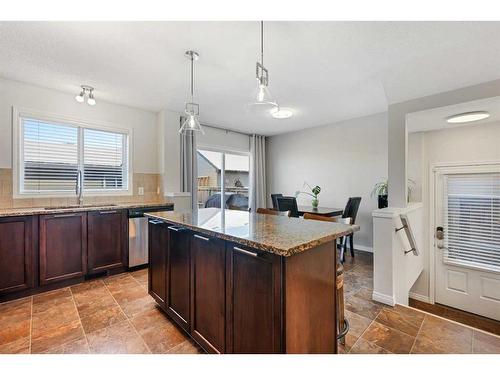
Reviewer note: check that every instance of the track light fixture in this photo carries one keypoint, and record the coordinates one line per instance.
(87, 94)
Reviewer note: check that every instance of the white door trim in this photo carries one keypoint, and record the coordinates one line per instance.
(435, 170)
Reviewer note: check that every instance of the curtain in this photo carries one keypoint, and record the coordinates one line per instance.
(258, 196)
(189, 166)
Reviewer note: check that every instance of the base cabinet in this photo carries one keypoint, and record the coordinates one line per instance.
(158, 256)
(18, 241)
(179, 276)
(107, 240)
(63, 247)
(208, 299)
(254, 294)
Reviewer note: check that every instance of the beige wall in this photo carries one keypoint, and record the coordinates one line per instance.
(150, 181)
(346, 159)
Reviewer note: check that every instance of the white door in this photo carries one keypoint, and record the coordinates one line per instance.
(467, 254)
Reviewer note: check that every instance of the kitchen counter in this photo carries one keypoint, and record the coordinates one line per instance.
(275, 234)
(26, 211)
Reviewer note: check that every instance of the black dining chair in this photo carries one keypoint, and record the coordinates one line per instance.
(288, 204)
(274, 198)
(351, 211)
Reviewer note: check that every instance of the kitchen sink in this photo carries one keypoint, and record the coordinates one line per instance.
(79, 206)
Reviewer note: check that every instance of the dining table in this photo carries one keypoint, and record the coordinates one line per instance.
(322, 211)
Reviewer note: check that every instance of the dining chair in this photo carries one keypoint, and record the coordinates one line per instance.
(268, 211)
(342, 322)
(342, 220)
(351, 211)
(274, 198)
(288, 204)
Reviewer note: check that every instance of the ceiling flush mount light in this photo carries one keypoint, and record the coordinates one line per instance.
(467, 117)
(192, 109)
(282, 113)
(262, 100)
(87, 94)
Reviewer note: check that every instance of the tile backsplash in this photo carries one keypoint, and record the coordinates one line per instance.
(151, 182)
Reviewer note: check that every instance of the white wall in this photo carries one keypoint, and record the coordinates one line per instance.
(142, 123)
(346, 159)
(224, 139)
(477, 142)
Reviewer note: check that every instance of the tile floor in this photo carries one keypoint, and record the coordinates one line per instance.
(109, 315)
(378, 328)
(116, 315)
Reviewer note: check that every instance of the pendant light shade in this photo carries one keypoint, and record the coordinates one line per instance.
(192, 123)
(262, 100)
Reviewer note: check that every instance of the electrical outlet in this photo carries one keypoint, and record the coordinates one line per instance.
(141, 191)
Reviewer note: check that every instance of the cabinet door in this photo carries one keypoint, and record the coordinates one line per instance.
(107, 240)
(208, 292)
(255, 307)
(158, 255)
(63, 247)
(17, 253)
(178, 276)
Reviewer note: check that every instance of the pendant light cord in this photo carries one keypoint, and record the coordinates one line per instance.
(262, 42)
(192, 76)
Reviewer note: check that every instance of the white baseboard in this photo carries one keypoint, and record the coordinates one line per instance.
(384, 298)
(419, 297)
(363, 248)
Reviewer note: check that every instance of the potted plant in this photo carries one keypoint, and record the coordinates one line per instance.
(314, 193)
(381, 190)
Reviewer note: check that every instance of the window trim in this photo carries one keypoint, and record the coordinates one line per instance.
(17, 137)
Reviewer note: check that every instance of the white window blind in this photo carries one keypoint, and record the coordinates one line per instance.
(53, 152)
(50, 156)
(472, 220)
(104, 162)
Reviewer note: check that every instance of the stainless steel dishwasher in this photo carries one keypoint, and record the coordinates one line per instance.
(138, 234)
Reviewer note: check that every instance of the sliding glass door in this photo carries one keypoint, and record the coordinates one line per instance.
(223, 179)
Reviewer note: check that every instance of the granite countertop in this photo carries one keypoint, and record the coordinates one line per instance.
(279, 235)
(76, 208)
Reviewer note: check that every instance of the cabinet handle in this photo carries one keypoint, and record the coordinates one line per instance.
(176, 229)
(65, 215)
(251, 253)
(202, 238)
(107, 212)
(155, 221)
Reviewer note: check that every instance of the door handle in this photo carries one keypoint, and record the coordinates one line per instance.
(176, 229)
(107, 212)
(202, 238)
(246, 252)
(65, 215)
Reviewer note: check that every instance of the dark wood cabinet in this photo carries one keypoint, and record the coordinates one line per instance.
(158, 256)
(254, 296)
(208, 299)
(107, 240)
(62, 247)
(179, 276)
(18, 241)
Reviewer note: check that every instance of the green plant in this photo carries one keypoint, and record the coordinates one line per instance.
(382, 188)
(314, 191)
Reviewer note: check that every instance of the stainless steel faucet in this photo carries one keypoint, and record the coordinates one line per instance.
(79, 187)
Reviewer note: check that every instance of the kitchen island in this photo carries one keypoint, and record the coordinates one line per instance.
(239, 282)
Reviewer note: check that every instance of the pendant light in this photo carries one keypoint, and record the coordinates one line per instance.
(262, 100)
(192, 109)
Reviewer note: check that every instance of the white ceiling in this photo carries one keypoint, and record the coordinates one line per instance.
(325, 71)
(435, 119)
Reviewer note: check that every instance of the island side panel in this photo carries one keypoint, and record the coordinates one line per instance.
(310, 313)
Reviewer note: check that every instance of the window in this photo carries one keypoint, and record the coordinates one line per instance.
(227, 172)
(51, 153)
(472, 216)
